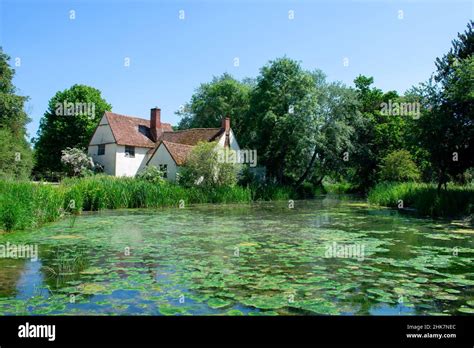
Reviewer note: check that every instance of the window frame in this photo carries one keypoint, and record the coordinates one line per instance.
(129, 153)
(165, 171)
(99, 152)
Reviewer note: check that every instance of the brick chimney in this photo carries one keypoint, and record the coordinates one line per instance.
(226, 127)
(155, 123)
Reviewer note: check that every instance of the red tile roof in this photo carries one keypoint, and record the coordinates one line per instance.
(127, 131)
(179, 152)
(192, 136)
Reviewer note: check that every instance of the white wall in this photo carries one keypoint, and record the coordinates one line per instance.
(162, 156)
(129, 166)
(232, 141)
(107, 159)
(103, 135)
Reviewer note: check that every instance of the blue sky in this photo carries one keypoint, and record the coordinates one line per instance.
(170, 57)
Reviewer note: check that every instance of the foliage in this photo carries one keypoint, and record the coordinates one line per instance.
(27, 205)
(223, 96)
(378, 133)
(446, 128)
(77, 162)
(70, 121)
(398, 166)
(151, 174)
(203, 168)
(456, 201)
(339, 187)
(338, 113)
(282, 121)
(16, 156)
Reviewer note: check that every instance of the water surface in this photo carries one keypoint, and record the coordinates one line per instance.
(258, 259)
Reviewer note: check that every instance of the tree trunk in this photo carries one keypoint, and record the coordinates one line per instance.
(320, 180)
(308, 169)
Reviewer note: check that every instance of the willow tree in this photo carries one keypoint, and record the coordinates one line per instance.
(15, 152)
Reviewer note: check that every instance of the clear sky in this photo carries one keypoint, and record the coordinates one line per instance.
(170, 57)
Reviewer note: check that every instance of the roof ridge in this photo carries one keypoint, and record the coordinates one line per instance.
(128, 116)
(190, 129)
(172, 142)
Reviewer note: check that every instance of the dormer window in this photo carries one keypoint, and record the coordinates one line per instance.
(144, 130)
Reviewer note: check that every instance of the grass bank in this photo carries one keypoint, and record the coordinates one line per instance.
(456, 201)
(27, 205)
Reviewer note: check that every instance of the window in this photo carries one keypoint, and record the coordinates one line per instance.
(130, 151)
(144, 130)
(101, 150)
(164, 169)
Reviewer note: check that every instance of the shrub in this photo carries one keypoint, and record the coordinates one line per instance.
(203, 168)
(399, 166)
(77, 162)
(151, 174)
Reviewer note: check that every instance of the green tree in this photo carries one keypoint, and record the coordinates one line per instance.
(70, 121)
(223, 96)
(337, 115)
(282, 120)
(399, 166)
(382, 130)
(447, 123)
(16, 159)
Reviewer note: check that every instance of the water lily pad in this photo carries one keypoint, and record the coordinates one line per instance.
(91, 288)
(247, 244)
(92, 270)
(464, 309)
(66, 236)
(234, 312)
(446, 297)
(218, 303)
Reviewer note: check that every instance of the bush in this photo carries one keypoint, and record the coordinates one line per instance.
(151, 174)
(77, 162)
(398, 166)
(204, 168)
(340, 187)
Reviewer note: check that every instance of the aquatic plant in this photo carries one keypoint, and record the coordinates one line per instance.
(424, 198)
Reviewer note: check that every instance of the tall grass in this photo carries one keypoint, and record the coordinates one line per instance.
(338, 187)
(23, 204)
(28, 205)
(453, 202)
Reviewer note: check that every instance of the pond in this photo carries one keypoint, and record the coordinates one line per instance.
(334, 255)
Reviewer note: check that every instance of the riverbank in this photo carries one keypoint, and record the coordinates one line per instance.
(26, 205)
(455, 201)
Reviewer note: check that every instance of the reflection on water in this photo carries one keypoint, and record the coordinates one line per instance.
(259, 259)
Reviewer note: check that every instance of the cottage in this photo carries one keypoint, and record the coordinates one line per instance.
(124, 145)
